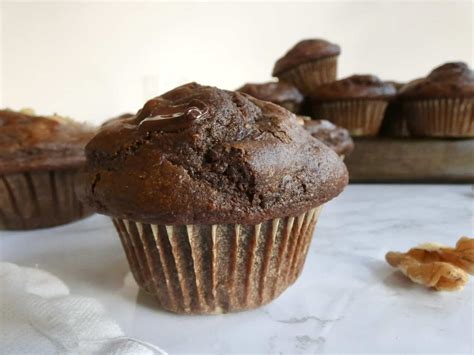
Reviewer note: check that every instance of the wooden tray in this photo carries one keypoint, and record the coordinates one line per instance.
(411, 160)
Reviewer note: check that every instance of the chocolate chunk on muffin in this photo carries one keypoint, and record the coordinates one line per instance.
(40, 163)
(336, 138)
(356, 103)
(214, 194)
(308, 64)
(280, 93)
(442, 104)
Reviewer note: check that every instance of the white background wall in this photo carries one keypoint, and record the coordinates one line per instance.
(92, 60)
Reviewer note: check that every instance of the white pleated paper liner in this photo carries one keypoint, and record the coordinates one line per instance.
(217, 268)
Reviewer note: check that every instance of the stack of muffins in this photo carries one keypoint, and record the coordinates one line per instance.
(440, 105)
(356, 103)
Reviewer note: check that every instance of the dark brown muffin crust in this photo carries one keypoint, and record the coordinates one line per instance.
(449, 80)
(305, 51)
(200, 155)
(277, 92)
(354, 87)
(29, 142)
(335, 137)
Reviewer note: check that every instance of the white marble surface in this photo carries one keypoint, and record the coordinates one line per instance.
(347, 300)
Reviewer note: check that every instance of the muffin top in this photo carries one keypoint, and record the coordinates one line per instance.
(201, 155)
(277, 92)
(305, 51)
(354, 87)
(448, 80)
(335, 137)
(29, 142)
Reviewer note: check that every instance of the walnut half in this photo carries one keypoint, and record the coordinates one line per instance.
(437, 266)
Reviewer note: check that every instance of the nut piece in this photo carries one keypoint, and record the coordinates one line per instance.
(461, 256)
(437, 266)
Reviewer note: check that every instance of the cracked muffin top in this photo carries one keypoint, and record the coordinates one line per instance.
(448, 80)
(305, 51)
(276, 92)
(30, 142)
(335, 137)
(201, 155)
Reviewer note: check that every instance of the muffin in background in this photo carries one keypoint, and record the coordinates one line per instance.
(335, 137)
(308, 64)
(280, 93)
(214, 194)
(356, 103)
(116, 118)
(442, 104)
(394, 123)
(40, 169)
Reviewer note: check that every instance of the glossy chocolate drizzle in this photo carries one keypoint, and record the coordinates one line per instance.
(159, 115)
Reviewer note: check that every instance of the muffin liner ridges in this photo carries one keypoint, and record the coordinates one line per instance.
(441, 117)
(306, 77)
(217, 268)
(40, 199)
(359, 117)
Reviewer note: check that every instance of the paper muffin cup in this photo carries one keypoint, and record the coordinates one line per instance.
(210, 269)
(307, 76)
(440, 117)
(40, 199)
(360, 117)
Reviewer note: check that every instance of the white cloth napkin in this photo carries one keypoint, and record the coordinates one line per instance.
(38, 315)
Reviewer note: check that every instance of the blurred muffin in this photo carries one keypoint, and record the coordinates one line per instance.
(356, 103)
(336, 138)
(394, 123)
(113, 119)
(283, 94)
(40, 163)
(308, 64)
(442, 104)
(214, 194)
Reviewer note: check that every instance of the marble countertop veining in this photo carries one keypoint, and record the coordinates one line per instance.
(347, 300)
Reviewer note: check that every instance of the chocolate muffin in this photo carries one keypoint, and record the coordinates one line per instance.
(215, 195)
(442, 104)
(40, 163)
(281, 93)
(356, 103)
(336, 138)
(394, 123)
(308, 64)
